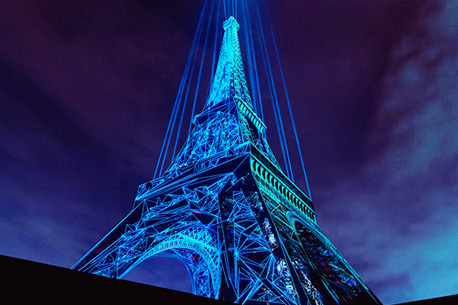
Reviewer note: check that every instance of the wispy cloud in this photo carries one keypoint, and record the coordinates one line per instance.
(407, 237)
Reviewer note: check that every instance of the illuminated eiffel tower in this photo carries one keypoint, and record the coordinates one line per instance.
(246, 233)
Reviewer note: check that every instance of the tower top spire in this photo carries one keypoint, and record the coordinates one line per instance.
(229, 82)
(231, 23)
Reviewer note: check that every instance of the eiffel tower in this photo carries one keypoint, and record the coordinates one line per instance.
(245, 232)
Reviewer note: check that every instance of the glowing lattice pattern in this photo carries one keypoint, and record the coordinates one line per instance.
(246, 233)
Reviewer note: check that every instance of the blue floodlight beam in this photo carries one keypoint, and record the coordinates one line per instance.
(178, 98)
(225, 12)
(290, 111)
(215, 45)
(275, 93)
(274, 99)
(200, 69)
(186, 96)
(251, 68)
(258, 89)
(176, 105)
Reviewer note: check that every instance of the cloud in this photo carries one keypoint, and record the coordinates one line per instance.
(419, 113)
(403, 242)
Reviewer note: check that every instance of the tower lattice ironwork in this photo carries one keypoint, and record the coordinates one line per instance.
(246, 233)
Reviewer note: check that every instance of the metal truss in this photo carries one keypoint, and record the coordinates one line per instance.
(245, 232)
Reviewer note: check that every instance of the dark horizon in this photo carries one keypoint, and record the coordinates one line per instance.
(87, 88)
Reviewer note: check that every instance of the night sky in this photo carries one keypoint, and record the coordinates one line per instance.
(87, 87)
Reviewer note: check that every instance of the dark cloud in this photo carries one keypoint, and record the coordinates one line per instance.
(408, 225)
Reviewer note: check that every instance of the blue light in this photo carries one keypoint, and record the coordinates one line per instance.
(224, 207)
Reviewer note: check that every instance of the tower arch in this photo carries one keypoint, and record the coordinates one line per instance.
(203, 270)
(194, 247)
